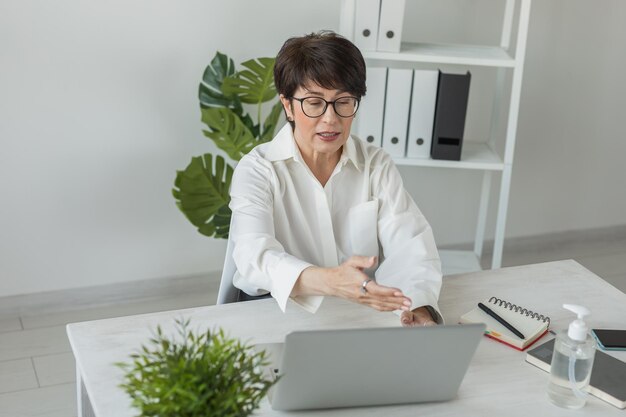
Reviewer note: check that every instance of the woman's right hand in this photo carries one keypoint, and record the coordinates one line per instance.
(346, 281)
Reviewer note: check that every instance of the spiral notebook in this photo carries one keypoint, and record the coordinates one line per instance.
(532, 325)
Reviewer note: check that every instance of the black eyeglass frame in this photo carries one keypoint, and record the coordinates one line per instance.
(326, 103)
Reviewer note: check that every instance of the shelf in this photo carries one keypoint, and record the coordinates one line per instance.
(458, 262)
(474, 156)
(476, 55)
(508, 56)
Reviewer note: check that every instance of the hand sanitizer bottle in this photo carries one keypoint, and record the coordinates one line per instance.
(574, 351)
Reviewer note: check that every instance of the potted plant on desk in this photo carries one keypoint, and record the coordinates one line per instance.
(202, 188)
(201, 374)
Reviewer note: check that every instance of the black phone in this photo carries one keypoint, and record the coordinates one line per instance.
(610, 339)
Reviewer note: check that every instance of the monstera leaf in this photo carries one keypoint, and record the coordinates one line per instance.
(210, 92)
(228, 132)
(254, 85)
(201, 193)
(271, 121)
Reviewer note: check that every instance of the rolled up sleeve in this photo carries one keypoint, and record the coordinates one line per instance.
(262, 263)
(411, 260)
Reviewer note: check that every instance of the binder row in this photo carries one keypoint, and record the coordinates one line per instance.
(378, 25)
(414, 113)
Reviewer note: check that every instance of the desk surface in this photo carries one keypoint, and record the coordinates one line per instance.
(499, 382)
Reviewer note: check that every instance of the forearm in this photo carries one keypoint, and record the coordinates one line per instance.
(348, 281)
(312, 281)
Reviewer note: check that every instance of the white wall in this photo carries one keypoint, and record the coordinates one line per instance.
(568, 172)
(98, 110)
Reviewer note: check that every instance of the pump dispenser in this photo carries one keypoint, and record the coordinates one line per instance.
(572, 360)
(578, 329)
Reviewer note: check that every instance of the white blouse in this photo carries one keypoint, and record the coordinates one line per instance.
(284, 221)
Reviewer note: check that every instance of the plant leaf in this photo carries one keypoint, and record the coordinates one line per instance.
(269, 126)
(200, 374)
(222, 94)
(245, 117)
(253, 85)
(201, 193)
(228, 132)
(210, 91)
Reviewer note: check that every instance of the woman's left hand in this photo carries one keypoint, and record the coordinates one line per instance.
(418, 317)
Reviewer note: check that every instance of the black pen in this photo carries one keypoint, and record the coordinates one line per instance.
(500, 320)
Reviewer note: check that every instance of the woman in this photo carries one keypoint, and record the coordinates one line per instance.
(315, 209)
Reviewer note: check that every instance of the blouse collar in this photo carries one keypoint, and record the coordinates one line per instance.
(284, 146)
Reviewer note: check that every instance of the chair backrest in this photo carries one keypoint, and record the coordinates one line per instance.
(228, 293)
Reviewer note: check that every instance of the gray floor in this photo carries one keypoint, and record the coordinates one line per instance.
(36, 366)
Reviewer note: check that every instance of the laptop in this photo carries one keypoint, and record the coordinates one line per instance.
(374, 366)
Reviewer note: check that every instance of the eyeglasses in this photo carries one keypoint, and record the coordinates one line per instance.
(316, 106)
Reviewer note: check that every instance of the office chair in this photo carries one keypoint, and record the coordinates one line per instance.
(228, 293)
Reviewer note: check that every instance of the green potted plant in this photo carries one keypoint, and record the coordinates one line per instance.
(201, 190)
(195, 375)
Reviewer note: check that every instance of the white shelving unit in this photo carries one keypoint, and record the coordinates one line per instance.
(475, 55)
(476, 156)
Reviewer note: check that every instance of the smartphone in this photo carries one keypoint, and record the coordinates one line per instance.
(609, 339)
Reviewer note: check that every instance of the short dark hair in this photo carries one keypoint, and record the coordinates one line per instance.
(324, 58)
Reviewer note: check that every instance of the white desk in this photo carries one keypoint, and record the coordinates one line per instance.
(499, 382)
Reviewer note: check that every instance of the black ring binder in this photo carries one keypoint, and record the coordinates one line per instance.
(518, 309)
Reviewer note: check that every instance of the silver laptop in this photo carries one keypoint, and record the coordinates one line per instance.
(375, 366)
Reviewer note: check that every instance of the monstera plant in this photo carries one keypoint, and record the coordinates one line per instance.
(201, 190)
